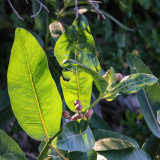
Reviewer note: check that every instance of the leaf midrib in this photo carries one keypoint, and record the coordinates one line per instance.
(36, 97)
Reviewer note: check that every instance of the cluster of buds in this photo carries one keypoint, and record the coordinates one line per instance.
(117, 76)
(78, 114)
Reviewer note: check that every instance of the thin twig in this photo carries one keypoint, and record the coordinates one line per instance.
(14, 11)
(40, 8)
(76, 8)
(99, 13)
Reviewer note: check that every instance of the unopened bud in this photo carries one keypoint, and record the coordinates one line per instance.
(77, 102)
(89, 113)
(119, 76)
(80, 116)
(65, 113)
(78, 107)
(74, 117)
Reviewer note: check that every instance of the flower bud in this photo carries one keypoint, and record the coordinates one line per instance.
(74, 117)
(89, 113)
(119, 76)
(77, 102)
(79, 107)
(65, 113)
(80, 116)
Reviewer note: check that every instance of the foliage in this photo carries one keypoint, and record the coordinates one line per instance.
(36, 98)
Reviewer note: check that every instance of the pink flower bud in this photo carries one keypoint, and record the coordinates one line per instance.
(74, 117)
(119, 76)
(78, 107)
(65, 113)
(89, 113)
(80, 116)
(77, 102)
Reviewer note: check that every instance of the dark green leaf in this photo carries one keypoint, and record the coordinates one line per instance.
(149, 97)
(109, 140)
(8, 147)
(76, 136)
(6, 113)
(152, 146)
(126, 154)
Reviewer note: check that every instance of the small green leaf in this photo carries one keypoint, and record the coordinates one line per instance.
(132, 83)
(9, 148)
(110, 77)
(149, 97)
(34, 97)
(76, 136)
(152, 146)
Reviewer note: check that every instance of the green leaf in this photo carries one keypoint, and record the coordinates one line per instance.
(6, 113)
(110, 77)
(152, 146)
(125, 154)
(109, 140)
(8, 147)
(98, 123)
(77, 43)
(99, 81)
(11, 156)
(34, 97)
(132, 83)
(149, 97)
(76, 136)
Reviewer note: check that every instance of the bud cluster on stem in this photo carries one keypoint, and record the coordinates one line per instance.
(78, 114)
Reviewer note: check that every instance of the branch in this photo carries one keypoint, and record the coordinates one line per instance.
(76, 8)
(14, 11)
(40, 8)
(99, 13)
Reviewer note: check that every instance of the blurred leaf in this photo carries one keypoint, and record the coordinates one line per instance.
(76, 136)
(77, 43)
(41, 18)
(149, 97)
(9, 148)
(6, 113)
(152, 146)
(125, 154)
(33, 92)
(146, 4)
(56, 29)
(70, 3)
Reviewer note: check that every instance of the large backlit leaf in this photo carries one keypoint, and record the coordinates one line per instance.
(109, 140)
(9, 148)
(78, 44)
(149, 97)
(76, 136)
(34, 97)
